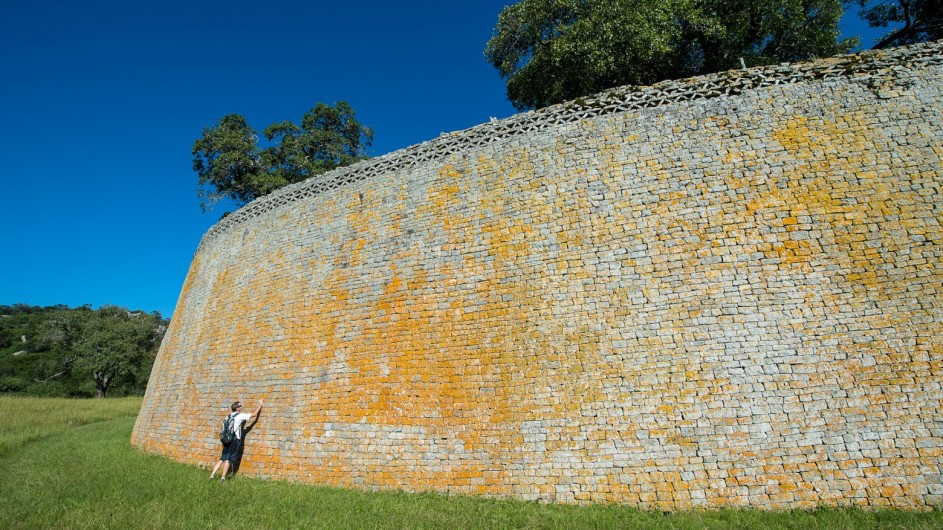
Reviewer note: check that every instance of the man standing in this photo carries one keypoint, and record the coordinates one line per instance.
(231, 451)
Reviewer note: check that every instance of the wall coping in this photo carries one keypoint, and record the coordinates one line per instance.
(865, 66)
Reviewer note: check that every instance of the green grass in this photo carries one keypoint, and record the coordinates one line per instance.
(24, 419)
(76, 469)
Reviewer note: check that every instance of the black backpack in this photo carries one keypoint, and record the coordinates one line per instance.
(227, 435)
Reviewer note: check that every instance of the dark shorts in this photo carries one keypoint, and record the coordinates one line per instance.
(231, 451)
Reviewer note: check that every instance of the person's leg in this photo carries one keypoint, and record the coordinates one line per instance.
(235, 450)
(227, 457)
(216, 468)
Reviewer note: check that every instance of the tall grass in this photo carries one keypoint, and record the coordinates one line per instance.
(24, 420)
(83, 473)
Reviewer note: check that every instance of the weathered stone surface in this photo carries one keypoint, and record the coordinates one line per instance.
(731, 301)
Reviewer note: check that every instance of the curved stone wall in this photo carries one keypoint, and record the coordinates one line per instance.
(721, 291)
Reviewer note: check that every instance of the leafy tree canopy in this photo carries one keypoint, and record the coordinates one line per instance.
(914, 20)
(58, 351)
(106, 345)
(555, 50)
(230, 163)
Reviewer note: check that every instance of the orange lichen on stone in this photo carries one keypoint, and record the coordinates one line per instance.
(687, 306)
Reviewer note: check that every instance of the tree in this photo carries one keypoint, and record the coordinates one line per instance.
(227, 162)
(107, 345)
(551, 51)
(230, 163)
(922, 20)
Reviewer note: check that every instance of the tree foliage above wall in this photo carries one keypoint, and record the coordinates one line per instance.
(556, 50)
(909, 21)
(231, 165)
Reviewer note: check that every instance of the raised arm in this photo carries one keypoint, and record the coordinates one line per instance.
(258, 409)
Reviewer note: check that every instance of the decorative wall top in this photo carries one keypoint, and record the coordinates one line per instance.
(866, 67)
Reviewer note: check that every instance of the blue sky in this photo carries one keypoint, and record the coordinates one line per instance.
(100, 103)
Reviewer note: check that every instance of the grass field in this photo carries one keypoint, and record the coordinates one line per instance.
(69, 464)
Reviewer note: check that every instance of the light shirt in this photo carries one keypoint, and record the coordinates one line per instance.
(237, 422)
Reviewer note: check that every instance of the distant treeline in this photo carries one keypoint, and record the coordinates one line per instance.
(58, 351)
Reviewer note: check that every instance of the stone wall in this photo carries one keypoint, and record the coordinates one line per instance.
(721, 291)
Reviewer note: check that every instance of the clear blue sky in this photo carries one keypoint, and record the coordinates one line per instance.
(100, 103)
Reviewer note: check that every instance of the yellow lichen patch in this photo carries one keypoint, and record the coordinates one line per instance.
(671, 308)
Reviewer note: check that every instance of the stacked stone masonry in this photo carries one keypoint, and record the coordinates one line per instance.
(727, 297)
